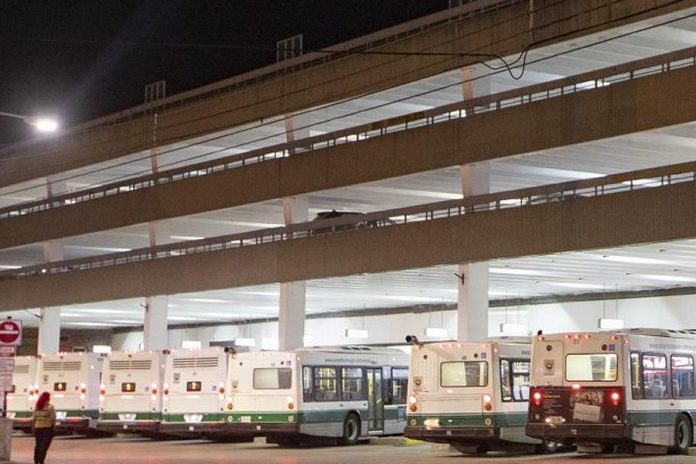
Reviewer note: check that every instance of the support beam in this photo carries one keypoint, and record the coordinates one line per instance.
(293, 295)
(49, 325)
(619, 109)
(472, 302)
(155, 333)
(472, 290)
(49, 331)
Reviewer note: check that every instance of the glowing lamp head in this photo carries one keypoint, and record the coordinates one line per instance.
(83, 388)
(576, 386)
(537, 397)
(45, 124)
(615, 397)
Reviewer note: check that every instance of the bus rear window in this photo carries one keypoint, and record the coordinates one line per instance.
(464, 374)
(595, 367)
(273, 378)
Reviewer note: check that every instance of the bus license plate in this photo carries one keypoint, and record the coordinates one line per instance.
(245, 419)
(555, 420)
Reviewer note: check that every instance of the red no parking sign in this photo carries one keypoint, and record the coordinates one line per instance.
(10, 333)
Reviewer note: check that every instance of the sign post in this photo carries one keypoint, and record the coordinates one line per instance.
(10, 338)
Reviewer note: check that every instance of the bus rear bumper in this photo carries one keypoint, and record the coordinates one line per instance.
(192, 427)
(600, 433)
(450, 434)
(261, 429)
(136, 426)
(74, 424)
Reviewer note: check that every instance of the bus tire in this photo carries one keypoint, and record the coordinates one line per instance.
(548, 446)
(351, 430)
(683, 434)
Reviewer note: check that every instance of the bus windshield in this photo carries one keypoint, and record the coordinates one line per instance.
(595, 367)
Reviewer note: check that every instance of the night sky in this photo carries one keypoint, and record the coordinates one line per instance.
(68, 57)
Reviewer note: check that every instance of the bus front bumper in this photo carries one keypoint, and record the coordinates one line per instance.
(76, 424)
(449, 434)
(134, 426)
(601, 433)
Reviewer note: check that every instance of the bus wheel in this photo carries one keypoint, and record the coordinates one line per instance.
(683, 434)
(351, 430)
(548, 446)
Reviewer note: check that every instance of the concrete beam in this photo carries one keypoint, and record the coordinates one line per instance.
(643, 104)
(503, 32)
(642, 216)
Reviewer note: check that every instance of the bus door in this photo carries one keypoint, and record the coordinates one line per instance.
(375, 401)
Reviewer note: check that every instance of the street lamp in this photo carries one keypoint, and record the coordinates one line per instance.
(41, 124)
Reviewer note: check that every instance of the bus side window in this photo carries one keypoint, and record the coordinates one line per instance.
(325, 384)
(399, 385)
(655, 376)
(682, 376)
(636, 377)
(387, 385)
(307, 384)
(505, 387)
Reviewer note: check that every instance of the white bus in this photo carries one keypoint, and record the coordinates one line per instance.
(194, 392)
(24, 393)
(630, 389)
(348, 393)
(472, 395)
(131, 392)
(73, 381)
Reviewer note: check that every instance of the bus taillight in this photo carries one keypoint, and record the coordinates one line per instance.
(487, 402)
(537, 397)
(615, 397)
(413, 403)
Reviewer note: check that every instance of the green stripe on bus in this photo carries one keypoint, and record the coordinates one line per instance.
(257, 417)
(654, 418)
(71, 413)
(114, 416)
(21, 414)
(471, 420)
(213, 417)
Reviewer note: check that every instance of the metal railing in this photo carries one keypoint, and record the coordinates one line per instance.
(557, 88)
(586, 188)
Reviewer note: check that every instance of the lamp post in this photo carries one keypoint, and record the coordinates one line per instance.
(40, 124)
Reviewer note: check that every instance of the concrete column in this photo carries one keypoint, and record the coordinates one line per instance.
(49, 331)
(293, 295)
(296, 128)
(473, 84)
(49, 323)
(155, 328)
(472, 298)
(155, 333)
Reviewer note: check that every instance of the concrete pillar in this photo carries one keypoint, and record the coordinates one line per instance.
(473, 84)
(49, 323)
(155, 333)
(155, 328)
(293, 295)
(49, 331)
(472, 298)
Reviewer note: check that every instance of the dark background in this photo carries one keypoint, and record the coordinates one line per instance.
(61, 57)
